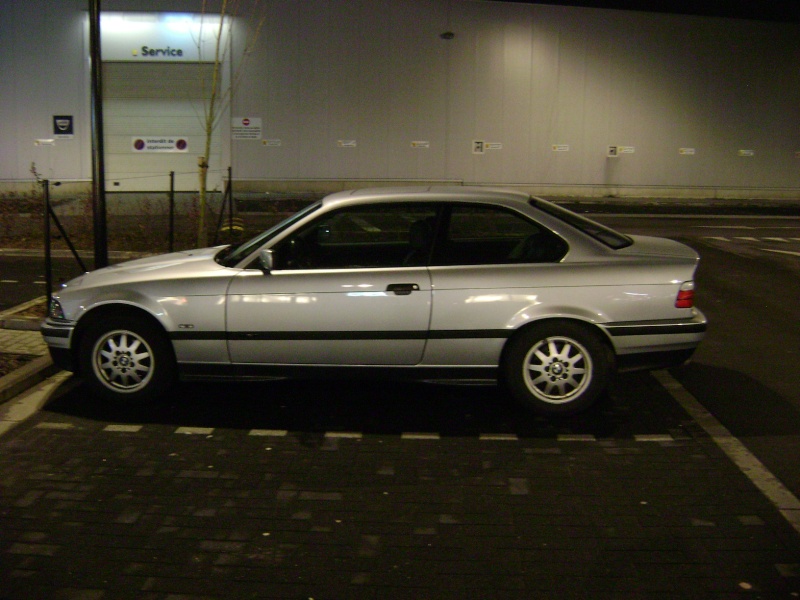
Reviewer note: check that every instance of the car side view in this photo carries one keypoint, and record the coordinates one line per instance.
(461, 283)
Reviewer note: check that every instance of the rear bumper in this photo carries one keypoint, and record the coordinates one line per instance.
(696, 325)
(656, 344)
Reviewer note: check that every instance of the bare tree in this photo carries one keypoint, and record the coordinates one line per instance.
(217, 97)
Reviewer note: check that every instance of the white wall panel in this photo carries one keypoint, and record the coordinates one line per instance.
(157, 99)
(45, 73)
(521, 76)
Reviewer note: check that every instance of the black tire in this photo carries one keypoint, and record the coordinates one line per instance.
(126, 359)
(557, 368)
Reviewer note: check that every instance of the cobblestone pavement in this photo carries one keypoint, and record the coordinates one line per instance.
(22, 342)
(95, 508)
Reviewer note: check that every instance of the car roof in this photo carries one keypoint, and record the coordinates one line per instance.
(427, 194)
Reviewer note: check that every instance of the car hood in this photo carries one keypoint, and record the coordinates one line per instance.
(658, 247)
(173, 266)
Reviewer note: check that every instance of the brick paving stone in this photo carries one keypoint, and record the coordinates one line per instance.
(158, 512)
(22, 342)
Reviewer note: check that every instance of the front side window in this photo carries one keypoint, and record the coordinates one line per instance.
(483, 235)
(364, 236)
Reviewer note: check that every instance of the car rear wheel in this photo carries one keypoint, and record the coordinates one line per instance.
(556, 368)
(126, 359)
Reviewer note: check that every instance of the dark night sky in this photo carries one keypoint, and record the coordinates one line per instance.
(764, 10)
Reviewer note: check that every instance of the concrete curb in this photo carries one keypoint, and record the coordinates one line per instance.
(32, 373)
(21, 324)
(26, 377)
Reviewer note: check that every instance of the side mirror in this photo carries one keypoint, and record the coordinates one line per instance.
(266, 260)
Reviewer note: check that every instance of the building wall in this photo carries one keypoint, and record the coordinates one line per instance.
(45, 73)
(367, 90)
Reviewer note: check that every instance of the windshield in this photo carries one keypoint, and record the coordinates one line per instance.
(232, 255)
(601, 233)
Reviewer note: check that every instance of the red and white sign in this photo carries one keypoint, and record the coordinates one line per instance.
(165, 143)
(246, 128)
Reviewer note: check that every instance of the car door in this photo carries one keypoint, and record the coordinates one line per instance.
(488, 269)
(348, 289)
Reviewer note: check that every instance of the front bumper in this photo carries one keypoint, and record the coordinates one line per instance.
(58, 336)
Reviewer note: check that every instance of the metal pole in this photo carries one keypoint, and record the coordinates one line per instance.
(171, 211)
(48, 265)
(230, 205)
(98, 163)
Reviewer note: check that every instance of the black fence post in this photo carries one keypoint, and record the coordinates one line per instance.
(48, 264)
(230, 204)
(171, 211)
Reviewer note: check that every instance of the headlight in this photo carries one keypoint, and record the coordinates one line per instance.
(55, 311)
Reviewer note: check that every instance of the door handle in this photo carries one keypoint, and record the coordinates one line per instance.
(402, 289)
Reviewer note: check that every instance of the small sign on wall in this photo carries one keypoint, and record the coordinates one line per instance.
(246, 128)
(159, 144)
(63, 126)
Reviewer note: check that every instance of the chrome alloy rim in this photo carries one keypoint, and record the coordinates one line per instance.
(557, 369)
(123, 361)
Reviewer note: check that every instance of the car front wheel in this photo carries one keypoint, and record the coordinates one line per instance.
(556, 368)
(126, 359)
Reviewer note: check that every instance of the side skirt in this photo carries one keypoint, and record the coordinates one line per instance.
(245, 372)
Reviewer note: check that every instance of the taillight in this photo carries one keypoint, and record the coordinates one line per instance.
(685, 297)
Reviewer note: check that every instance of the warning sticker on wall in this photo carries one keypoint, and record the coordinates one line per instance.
(246, 128)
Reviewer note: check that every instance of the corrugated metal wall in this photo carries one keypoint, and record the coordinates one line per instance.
(548, 88)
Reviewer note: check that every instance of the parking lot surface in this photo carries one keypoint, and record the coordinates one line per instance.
(316, 490)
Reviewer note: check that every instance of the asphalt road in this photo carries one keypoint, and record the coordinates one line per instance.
(22, 277)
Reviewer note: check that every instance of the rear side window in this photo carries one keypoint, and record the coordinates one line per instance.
(489, 235)
(606, 235)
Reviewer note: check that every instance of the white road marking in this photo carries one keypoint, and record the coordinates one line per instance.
(195, 430)
(654, 438)
(782, 251)
(269, 432)
(579, 437)
(499, 437)
(123, 428)
(783, 499)
(420, 436)
(351, 435)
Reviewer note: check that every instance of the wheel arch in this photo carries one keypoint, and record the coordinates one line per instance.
(115, 309)
(599, 332)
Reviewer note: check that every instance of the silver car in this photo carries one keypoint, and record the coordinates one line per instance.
(424, 282)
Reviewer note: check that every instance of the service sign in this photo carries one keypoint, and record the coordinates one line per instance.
(158, 37)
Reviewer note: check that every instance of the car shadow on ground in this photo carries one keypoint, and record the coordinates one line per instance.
(634, 404)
